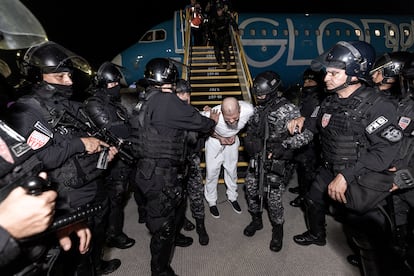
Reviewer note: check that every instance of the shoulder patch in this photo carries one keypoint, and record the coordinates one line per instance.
(404, 122)
(37, 140)
(376, 124)
(392, 134)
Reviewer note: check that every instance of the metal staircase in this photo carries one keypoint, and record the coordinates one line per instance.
(211, 84)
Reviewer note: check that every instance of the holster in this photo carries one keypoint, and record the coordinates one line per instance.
(278, 167)
(170, 198)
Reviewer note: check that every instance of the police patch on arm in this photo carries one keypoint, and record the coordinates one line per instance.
(392, 134)
(376, 124)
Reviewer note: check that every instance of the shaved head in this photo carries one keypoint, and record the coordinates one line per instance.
(230, 109)
(230, 106)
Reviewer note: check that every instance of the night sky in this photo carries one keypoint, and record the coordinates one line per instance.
(100, 32)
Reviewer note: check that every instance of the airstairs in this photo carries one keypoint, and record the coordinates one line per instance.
(211, 84)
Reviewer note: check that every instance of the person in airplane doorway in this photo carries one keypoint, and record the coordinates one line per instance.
(105, 111)
(360, 141)
(307, 158)
(194, 177)
(270, 149)
(197, 23)
(160, 124)
(222, 149)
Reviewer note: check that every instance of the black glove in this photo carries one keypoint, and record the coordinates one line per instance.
(404, 179)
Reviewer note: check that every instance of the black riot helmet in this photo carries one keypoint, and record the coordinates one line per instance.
(107, 73)
(183, 86)
(407, 77)
(355, 57)
(50, 57)
(161, 71)
(266, 83)
(317, 76)
(390, 64)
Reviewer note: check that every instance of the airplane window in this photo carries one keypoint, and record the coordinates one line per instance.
(367, 32)
(252, 32)
(307, 32)
(317, 32)
(264, 32)
(338, 32)
(147, 37)
(348, 32)
(160, 35)
(274, 32)
(285, 32)
(377, 32)
(392, 33)
(327, 32)
(296, 32)
(358, 32)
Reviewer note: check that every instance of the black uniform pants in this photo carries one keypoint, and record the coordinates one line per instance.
(165, 212)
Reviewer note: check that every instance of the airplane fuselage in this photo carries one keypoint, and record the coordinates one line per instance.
(285, 43)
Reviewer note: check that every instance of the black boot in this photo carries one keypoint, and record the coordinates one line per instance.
(107, 267)
(183, 241)
(121, 241)
(256, 224)
(188, 225)
(315, 218)
(277, 238)
(203, 237)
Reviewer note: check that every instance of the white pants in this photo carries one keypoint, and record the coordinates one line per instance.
(216, 156)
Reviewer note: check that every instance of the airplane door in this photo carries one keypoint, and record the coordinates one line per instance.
(179, 30)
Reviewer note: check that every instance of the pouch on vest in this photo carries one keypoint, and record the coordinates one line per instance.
(368, 191)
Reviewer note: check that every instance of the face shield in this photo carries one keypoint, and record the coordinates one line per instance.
(19, 28)
(53, 58)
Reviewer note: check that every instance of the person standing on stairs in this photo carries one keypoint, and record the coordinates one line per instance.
(270, 147)
(222, 149)
(219, 28)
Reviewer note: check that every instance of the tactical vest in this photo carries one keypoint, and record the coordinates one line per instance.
(146, 140)
(343, 129)
(79, 169)
(253, 141)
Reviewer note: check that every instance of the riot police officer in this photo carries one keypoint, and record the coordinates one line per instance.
(194, 176)
(358, 140)
(106, 112)
(160, 128)
(23, 215)
(385, 74)
(269, 143)
(70, 159)
(307, 158)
